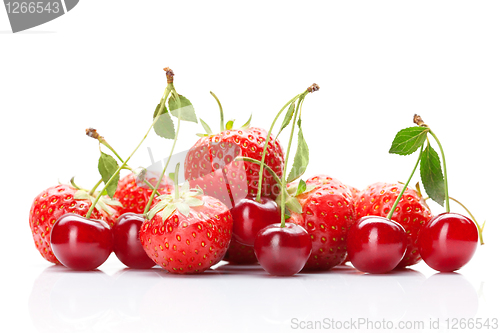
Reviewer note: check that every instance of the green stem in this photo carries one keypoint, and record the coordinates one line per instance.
(283, 176)
(267, 167)
(480, 228)
(117, 172)
(264, 151)
(176, 182)
(222, 128)
(146, 210)
(389, 216)
(446, 195)
(95, 187)
(105, 143)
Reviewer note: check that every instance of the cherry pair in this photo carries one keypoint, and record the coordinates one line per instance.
(85, 244)
(446, 243)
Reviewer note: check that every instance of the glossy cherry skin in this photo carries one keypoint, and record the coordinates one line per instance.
(250, 216)
(80, 243)
(126, 243)
(448, 241)
(283, 251)
(376, 244)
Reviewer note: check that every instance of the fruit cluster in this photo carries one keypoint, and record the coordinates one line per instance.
(239, 204)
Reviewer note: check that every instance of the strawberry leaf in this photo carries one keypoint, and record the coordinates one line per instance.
(164, 126)
(301, 159)
(288, 117)
(107, 167)
(182, 106)
(183, 208)
(432, 175)
(247, 124)
(301, 188)
(408, 140)
(167, 211)
(206, 127)
(293, 204)
(230, 124)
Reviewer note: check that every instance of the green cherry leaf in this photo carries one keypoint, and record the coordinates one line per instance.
(301, 159)
(182, 106)
(107, 167)
(207, 128)
(164, 126)
(432, 175)
(288, 117)
(408, 140)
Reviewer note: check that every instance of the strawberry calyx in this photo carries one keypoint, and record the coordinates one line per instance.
(182, 200)
(103, 204)
(223, 127)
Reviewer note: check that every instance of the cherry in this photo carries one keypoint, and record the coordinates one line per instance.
(80, 243)
(126, 243)
(448, 241)
(283, 251)
(376, 244)
(250, 216)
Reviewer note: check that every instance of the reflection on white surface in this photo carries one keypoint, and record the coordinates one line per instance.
(231, 297)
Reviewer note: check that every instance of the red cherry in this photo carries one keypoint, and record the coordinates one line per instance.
(448, 241)
(283, 251)
(376, 244)
(80, 243)
(250, 216)
(126, 243)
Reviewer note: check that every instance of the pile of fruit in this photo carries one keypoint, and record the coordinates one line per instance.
(243, 203)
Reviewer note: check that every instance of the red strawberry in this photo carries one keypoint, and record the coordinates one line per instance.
(411, 212)
(134, 197)
(327, 212)
(213, 154)
(188, 234)
(240, 254)
(51, 204)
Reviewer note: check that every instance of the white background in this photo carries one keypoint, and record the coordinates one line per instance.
(377, 63)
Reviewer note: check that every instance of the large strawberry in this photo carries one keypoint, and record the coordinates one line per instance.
(211, 164)
(187, 232)
(56, 201)
(327, 212)
(134, 197)
(411, 212)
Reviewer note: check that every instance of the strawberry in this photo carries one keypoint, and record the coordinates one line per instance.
(210, 164)
(134, 197)
(56, 201)
(188, 232)
(411, 212)
(240, 254)
(327, 212)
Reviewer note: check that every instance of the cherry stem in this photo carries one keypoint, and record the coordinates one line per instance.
(446, 195)
(222, 128)
(168, 89)
(261, 171)
(393, 209)
(95, 187)
(267, 167)
(283, 176)
(146, 210)
(480, 228)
